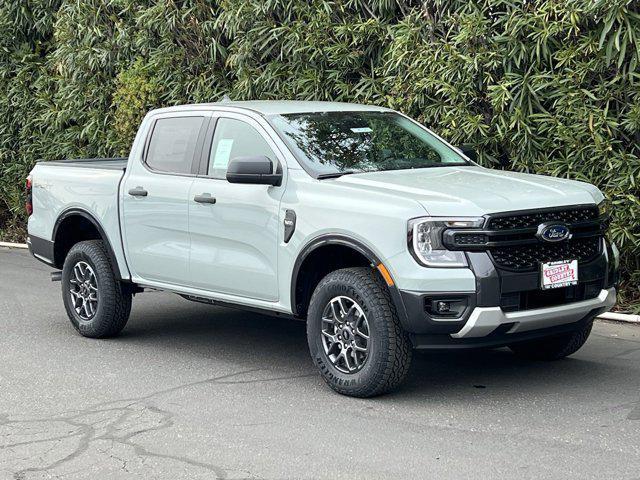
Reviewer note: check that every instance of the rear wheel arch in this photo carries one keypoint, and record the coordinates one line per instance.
(76, 225)
(330, 252)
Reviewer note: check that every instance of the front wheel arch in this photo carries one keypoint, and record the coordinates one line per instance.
(359, 255)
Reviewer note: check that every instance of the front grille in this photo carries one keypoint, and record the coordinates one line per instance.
(533, 219)
(528, 257)
(513, 242)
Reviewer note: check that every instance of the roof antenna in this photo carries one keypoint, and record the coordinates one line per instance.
(225, 99)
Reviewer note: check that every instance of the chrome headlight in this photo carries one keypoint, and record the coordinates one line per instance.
(426, 240)
(604, 208)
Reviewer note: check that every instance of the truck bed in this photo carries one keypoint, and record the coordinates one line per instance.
(87, 185)
(116, 163)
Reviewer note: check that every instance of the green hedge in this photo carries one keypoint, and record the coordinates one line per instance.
(551, 87)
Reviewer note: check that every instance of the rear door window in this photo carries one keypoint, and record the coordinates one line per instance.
(173, 144)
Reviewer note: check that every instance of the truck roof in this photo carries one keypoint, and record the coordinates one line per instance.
(274, 107)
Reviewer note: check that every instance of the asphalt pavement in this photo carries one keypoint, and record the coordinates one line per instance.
(197, 392)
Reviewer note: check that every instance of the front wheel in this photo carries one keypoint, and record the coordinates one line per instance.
(354, 334)
(97, 304)
(553, 347)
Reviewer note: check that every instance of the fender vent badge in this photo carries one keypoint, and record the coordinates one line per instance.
(289, 225)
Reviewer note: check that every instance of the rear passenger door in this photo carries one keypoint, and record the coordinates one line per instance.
(156, 198)
(234, 241)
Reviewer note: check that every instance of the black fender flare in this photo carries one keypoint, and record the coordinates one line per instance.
(358, 246)
(75, 211)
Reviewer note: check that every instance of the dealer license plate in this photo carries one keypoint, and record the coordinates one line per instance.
(559, 274)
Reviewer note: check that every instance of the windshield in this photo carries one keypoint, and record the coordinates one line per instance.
(348, 142)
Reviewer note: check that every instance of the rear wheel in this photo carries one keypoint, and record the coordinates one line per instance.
(354, 334)
(554, 347)
(96, 303)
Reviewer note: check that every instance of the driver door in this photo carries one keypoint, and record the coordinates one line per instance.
(234, 234)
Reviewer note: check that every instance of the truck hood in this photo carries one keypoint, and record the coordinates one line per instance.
(475, 191)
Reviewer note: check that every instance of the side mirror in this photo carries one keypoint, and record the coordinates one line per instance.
(257, 169)
(469, 151)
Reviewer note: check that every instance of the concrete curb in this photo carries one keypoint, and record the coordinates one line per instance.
(13, 245)
(620, 317)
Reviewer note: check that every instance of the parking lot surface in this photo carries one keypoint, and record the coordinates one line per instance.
(195, 391)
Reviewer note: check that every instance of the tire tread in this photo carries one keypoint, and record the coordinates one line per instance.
(553, 348)
(116, 301)
(395, 365)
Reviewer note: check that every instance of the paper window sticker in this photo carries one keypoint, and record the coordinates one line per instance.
(222, 153)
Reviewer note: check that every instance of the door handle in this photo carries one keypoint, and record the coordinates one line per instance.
(138, 192)
(204, 198)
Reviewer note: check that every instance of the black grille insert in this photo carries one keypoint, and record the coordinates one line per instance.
(533, 219)
(528, 257)
(470, 238)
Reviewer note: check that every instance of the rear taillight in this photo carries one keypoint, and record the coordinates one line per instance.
(29, 202)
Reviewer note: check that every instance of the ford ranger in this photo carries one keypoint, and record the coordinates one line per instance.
(379, 234)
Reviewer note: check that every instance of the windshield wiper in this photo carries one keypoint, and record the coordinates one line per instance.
(322, 176)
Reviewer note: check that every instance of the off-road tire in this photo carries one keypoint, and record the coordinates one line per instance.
(390, 350)
(114, 300)
(553, 347)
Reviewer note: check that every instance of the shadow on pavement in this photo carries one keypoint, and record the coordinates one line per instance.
(280, 344)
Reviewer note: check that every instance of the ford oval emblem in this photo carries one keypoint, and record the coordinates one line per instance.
(553, 232)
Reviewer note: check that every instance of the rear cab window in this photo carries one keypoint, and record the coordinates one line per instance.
(173, 144)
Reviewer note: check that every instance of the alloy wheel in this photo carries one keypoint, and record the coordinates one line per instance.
(84, 290)
(345, 334)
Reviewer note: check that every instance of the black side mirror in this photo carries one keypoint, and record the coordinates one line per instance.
(257, 169)
(469, 151)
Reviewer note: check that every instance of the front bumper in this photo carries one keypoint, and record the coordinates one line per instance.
(507, 307)
(484, 320)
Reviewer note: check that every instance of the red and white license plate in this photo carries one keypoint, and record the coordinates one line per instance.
(559, 274)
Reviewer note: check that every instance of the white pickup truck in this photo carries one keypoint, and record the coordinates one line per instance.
(357, 219)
